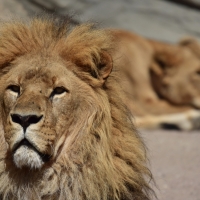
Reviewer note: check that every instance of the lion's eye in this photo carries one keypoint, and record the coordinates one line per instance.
(58, 91)
(14, 88)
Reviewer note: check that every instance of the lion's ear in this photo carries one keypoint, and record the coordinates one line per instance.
(168, 58)
(105, 66)
(192, 44)
(160, 63)
(98, 65)
(157, 69)
(165, 60)
(187, 41)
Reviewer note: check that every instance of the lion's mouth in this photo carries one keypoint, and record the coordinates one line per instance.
(25, 142)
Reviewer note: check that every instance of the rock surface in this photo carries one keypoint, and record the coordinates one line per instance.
(157, 19)
(174, 156)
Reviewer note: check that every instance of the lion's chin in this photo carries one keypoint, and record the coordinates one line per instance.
(27, 157)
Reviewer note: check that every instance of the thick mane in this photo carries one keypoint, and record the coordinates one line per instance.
(105, 158)
(127, 146)
(45, 34)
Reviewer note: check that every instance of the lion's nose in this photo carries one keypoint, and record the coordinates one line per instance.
(25, 120)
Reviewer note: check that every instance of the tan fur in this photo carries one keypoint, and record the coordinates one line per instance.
(157, 78)
(92, 148)
(193, 44)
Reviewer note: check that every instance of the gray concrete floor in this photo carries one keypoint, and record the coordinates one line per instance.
(175, 163)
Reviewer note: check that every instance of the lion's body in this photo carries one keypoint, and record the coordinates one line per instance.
(134, 57)
(65, 133)
(157, 78)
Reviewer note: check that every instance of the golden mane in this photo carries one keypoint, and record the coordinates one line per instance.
(105, 157)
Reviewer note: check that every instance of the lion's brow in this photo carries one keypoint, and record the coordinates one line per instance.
(30, 74)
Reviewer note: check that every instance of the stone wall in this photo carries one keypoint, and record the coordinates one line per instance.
(158, 19)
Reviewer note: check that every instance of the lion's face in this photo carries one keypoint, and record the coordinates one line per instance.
(176, 77)
(65, 132)
(40, 101)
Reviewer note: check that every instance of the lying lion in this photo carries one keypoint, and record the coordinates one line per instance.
(159, 79)
(65, 133)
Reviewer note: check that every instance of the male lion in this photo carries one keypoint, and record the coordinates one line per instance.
(65, 133)
(158, 79)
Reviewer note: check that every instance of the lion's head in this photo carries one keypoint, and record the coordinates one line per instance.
(175, 75)
(65, 134)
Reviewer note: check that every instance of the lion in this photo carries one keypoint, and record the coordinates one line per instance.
(65, 132)
(158, 79)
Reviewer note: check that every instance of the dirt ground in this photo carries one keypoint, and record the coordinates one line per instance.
(175, 163)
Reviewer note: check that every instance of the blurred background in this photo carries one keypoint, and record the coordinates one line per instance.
(174, 155)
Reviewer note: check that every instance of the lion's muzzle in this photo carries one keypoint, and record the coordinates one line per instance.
(26, 120)
(25, 151)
